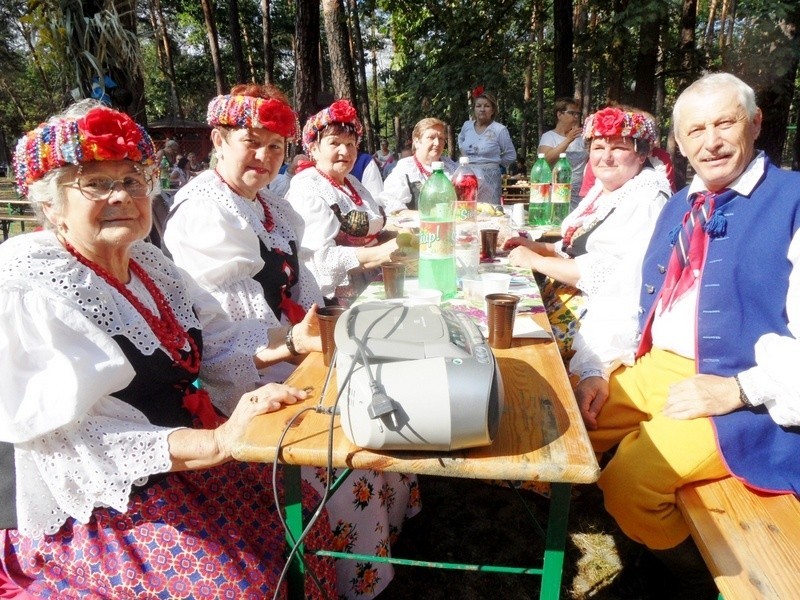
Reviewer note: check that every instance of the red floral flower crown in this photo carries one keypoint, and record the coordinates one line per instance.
(250, 111)
(340, 111)
(612, 121)
(478, 92)
(101, 134)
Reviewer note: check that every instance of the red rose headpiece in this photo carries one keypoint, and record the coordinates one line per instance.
(478, 92)
(250, 111)
(101, 134)
(340, 111)
(611, 121)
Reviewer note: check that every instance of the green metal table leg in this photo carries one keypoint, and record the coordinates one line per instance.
(294, 519)
(560, 495)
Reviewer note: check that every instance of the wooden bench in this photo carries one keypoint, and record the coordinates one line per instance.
(749, 541)
(14, 209)
(515, 190)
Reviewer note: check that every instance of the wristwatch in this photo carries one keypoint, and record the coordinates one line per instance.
(290, 342)
(742, 396)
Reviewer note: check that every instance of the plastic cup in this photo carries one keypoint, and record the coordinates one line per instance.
(501, 310)
(327, 317)
(489, 242)
(394, 277)
(423, 296)
(495, 283)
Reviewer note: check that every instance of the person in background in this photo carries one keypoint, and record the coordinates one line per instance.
(367, 171)
(117, 473)
(488, 145)
(383, 156)
(698, 380)
(566, 138)
(280, 185)
(195, 167)
(179, 174)
(171, 151)
(598, 259)
(341, 223)
(401, 189)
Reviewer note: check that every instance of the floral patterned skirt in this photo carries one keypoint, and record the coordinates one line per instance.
(213, 533)
(565, 306)
(367, 514)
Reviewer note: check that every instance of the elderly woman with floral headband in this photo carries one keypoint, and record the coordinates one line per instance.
(230, 233)
(239, 242)
(604, 239)
(341, 222)
(118, 479)
(339, 242)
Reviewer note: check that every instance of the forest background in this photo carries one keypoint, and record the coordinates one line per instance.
(399, 60)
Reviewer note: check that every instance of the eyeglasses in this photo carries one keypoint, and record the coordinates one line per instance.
(574, 113)
(100, 188)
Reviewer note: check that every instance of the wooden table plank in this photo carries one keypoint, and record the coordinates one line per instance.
(736, 531)
(541, 436)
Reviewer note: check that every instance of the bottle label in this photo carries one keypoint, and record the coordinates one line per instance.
(540, 192)
(436, 239)
(561, 192)
(466, 211)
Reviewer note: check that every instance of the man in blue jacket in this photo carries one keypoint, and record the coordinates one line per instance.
(711, 390)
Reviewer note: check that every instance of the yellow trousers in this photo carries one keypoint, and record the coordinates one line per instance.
(656, 454)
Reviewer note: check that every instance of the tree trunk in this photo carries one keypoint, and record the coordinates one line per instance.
(344, 85)
(616, 53)
(213, 44)
(563, 81)
(688, 68)
(647, 59)
(775, 98)
(307, 38)
(165, 53)
(240, 69)
(266, 28)
(357, 51)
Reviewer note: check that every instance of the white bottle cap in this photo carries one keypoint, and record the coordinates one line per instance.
(562, 155)
(437, 165)
(464, 160)
(540, 155)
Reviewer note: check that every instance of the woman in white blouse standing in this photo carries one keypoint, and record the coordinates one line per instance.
(402, 186)
(488, 145)
(341, 221)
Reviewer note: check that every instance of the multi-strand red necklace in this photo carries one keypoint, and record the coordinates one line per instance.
(166, 327)
(269, 221)
(422, 169)
(349, 191)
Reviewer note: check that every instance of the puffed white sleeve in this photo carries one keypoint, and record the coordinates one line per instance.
(220, 251)
(396, 194)
(227, 371)
(773, 381)
(328, 262)
(76, 447)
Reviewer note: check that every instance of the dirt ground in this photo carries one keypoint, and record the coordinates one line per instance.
(474, 522)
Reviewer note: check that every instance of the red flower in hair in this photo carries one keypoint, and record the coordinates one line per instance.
(342, 111)
(478, 91)
(110, 135)
(609, 122)
(277, 116)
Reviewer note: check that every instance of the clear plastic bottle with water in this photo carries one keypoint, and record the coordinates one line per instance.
(561, 189)
(437, 207)
(467, 243)
(539, 210)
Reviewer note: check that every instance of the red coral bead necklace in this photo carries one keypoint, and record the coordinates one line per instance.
(166, 327)
(350, 191)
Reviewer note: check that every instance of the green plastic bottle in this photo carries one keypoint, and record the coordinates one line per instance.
(437, 207)
(539, 209)
(561, 189)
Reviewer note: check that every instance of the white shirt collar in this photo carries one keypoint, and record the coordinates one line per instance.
(744, 184)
